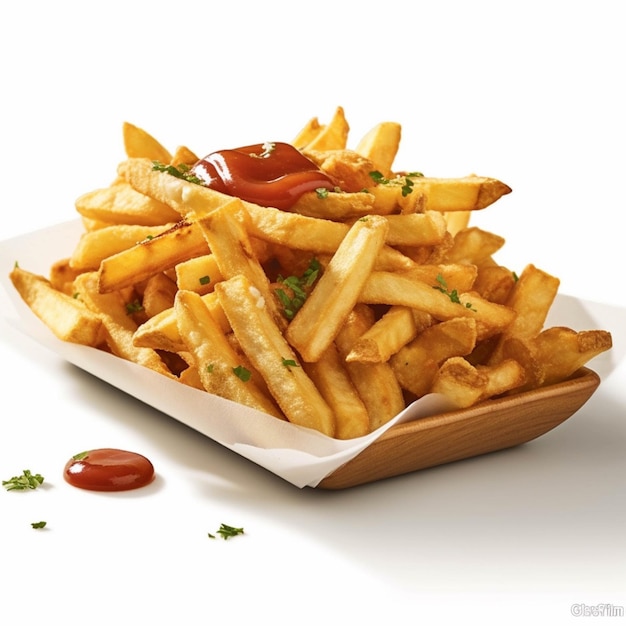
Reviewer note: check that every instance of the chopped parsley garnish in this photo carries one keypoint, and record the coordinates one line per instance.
(81, 455)
(210, 367)
(242, 373)
(38, 524)
(226, 532)
(134, 307)
(290, 363)
(27, 480)
(453, 295)
(298, 288)
(181, 171)
(405, 181)
(204, 280)
(322, 193)
(407, 187)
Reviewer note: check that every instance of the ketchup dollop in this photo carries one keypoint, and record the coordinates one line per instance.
(271, 174)
(108, 469)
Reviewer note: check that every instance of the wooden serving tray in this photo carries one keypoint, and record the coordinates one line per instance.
(489, 426)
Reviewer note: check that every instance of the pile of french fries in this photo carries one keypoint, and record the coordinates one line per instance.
(333, 315)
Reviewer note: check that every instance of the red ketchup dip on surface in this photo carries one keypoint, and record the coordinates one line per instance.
(108, 469)
(271, 174)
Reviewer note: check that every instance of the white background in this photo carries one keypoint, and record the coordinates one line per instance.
(530, 93)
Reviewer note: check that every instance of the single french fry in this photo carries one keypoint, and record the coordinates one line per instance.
(160, 332)
(198, 274)
(190, 377)
(66, 316)
(307, 133)
(218, 365)
(320, 236)
(150, 256)
(397, 327)
(466, 385)
(428, 255)
(470, 193)
(121, 204)
(393, 288)
(62, 276)
(494, 283)
(460, 382)
(506, 376)
(332, 136)
(226, 231)
(262, 341)
(350, 171)
(139, 143)
(416, 229)
(452, 277)
(562, 351)
(457, 220)
(375, 382)
(296, 231)
(415, 365)
(183, 156)
(380, 145)
(334, 205)
(333, 381)
(392, 198)
(95, 246)
(180, 195)
(473, 245)
(319, 320)
(158, 295)
(523, 352)
(531, 298)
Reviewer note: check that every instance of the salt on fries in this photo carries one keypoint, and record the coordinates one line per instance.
(332, 314)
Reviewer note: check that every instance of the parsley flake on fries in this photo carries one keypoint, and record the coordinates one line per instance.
(310, 281)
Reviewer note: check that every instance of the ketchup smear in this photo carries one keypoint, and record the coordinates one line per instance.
(271, 174)
(108, 469)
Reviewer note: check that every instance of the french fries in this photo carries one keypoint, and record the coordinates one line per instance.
(332, 314)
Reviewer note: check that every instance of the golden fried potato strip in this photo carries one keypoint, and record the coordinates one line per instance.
(140, 143)
(380, 145)
(67, 317)
(376, 383)
(95, 246)
(319, 320)
(121, 204)
(217, 363)
(415, 365)
(264, 344)
(331, 377)
(150, 256)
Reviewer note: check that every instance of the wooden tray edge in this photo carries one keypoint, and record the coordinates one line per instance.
(490, 424)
